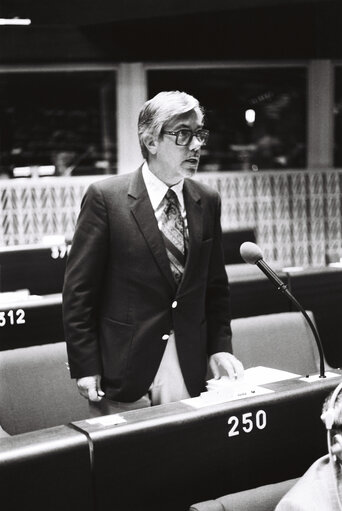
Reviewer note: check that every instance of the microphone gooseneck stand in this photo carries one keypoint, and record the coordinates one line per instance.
(251, 254)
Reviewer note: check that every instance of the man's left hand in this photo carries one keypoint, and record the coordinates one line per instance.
(225, 364)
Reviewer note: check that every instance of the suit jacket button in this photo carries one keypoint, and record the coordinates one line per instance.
(165, 337)
(174, 304)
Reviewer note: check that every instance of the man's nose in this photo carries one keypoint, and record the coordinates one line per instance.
(195, 144)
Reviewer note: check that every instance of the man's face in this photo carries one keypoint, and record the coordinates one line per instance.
(174, 162)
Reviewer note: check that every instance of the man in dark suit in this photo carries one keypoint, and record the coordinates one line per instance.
(146, 296)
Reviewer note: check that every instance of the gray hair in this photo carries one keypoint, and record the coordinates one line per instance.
(159, 110)
(336, 409)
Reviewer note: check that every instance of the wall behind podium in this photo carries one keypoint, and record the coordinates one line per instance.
(296, 215)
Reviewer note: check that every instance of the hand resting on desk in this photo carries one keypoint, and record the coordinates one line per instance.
(225, 364)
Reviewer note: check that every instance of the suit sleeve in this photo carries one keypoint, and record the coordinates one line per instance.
(217, 297)
(82, 285)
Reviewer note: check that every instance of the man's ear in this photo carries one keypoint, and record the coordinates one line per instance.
(151, 144)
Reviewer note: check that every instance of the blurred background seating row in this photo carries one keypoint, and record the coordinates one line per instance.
(30, 307)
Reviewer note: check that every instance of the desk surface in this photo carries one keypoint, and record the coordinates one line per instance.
(170, 456)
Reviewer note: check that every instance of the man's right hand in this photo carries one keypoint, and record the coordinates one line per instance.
(90, 387)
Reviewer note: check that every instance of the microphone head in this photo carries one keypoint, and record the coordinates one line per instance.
(250, 252)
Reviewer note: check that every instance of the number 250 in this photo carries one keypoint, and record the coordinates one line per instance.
(247, 422)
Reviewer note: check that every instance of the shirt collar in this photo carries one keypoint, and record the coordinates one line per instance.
(157, 189)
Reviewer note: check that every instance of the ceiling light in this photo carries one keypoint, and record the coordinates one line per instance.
(15, 21)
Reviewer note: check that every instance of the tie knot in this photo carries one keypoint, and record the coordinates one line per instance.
(172, 206)
(171, 196)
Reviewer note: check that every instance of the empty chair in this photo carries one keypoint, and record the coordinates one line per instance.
(36, 390)
(281, 341)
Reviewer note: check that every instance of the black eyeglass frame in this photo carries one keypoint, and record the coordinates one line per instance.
(193, 134)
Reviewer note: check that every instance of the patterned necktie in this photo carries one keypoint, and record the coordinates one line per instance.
(173, 232)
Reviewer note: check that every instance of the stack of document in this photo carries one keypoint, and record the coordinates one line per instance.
(10, 298)
(253, 376)
(224, 389)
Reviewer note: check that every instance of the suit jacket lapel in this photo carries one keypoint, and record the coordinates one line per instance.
(144, 215)
(194, 214)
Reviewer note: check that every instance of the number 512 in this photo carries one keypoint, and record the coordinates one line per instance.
(13, 317)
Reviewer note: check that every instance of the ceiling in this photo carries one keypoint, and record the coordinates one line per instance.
(89, 12)
(170, 30)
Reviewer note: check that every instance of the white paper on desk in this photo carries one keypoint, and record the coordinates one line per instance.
(261, 375)
(11, 298)
(224, 389)
(107, 420)
(213, 398)
(252, 377)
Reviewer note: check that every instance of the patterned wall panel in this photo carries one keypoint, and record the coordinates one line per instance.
(332, 214)
(34, 208)
(296, 215)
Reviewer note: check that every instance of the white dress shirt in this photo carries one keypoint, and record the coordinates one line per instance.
(168, 384)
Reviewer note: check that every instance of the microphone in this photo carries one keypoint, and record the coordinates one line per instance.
(252, 254)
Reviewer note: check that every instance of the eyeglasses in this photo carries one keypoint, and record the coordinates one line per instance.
(184, 136)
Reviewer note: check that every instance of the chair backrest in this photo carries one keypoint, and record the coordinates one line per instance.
(263, 498)
(36, 390)
(281, 341)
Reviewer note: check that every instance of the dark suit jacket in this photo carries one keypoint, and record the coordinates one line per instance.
(119, 290)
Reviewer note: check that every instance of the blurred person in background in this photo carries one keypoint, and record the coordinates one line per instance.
(320, 488)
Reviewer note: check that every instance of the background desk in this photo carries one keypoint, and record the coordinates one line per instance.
(39, 268)
(320, 290)
(170, 456)
(31, 322)
(252, 294)
(316, 289)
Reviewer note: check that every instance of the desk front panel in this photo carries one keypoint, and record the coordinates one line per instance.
(31, 322)
(170, 456)
(46, 470)
(39, 269)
